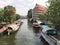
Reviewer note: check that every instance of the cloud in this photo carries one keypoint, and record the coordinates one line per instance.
(23, 6)
(5, 2)
(2, 4)
(41, 2)
(22, 11)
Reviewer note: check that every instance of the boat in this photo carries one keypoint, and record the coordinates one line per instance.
(50, 36)
(35, 25)
(12, 28)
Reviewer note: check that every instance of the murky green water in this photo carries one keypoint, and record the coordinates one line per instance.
(25, 36)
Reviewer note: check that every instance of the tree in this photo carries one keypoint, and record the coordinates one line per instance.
(9, 10)
(1, 15)
(42, 17)
(29, 15)
(9, 14)
(53, 13)
(18, 16)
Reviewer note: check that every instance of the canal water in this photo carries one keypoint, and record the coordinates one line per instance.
(24, 36)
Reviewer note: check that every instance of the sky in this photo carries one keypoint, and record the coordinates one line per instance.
(22, 6)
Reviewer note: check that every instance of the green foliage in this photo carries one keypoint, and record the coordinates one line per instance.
(12, 18)
(9, 14)
(18, 16)
(29, 13)
(42, 17)
(1, 15)
(53, 13)
(9, 10)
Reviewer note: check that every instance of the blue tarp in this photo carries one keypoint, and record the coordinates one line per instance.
(44, 26)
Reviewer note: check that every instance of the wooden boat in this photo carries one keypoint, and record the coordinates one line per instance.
(12, 28)
(35, 25)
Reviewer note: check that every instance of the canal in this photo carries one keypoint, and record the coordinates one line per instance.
(24, 36)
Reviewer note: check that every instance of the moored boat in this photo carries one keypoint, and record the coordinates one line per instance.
(12, 28)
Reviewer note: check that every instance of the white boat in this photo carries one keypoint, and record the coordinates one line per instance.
(12, 28)
(49, 38)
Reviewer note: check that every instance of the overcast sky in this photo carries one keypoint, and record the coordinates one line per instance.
(22, 6)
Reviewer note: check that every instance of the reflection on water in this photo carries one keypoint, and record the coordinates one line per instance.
(24, 36)
(7, 40)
